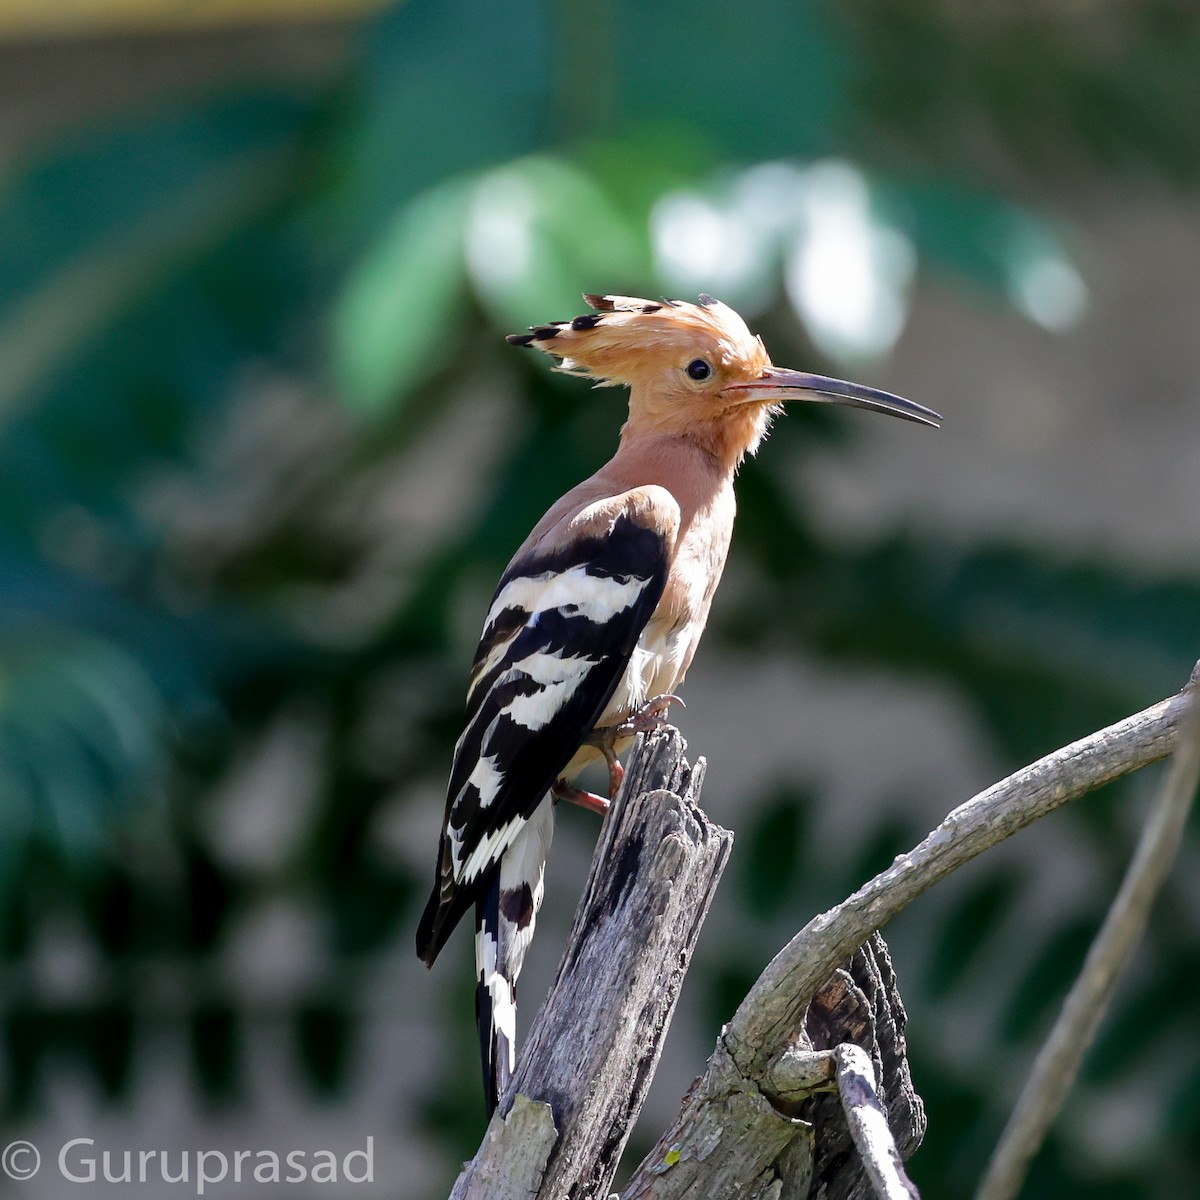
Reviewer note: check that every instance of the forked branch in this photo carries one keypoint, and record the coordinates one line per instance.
(596, 1042)
(772, 1009)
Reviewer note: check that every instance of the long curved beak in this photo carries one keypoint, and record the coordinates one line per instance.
(777, 384)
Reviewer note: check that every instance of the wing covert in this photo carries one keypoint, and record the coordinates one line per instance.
(559, 634)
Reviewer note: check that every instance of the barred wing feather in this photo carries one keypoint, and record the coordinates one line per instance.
(558, 637)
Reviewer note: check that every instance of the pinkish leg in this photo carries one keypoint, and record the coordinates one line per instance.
(573, 795)
(651, 716)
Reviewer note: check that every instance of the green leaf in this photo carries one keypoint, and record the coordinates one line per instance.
(81, 738)
(115, 214)
(391, 321)
(542, 231)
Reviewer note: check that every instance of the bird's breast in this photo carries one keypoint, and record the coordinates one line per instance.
(668, 642)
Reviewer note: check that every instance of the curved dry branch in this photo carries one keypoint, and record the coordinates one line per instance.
(595, 1044)
(771, 1013)
(1059, 1060)
(732, 1130)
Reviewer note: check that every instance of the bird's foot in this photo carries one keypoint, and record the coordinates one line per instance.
(649, 717)
(562, 790)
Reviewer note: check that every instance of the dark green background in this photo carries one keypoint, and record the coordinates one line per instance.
(242, 345)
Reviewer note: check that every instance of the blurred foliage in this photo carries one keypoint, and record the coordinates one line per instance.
(232, 333)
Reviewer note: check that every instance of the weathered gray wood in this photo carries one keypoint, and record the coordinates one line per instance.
(727, 1143)
(772, 1011)
(728, 1131)
(596, 1042)
(511, 1162)
(868, 1124)
(785, 1136)
(738, 1135)
(860, 1006)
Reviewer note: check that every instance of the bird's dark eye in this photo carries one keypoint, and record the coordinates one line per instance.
(698, 369)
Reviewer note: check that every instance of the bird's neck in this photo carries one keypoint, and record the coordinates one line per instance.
(687, 467)
(725, 436)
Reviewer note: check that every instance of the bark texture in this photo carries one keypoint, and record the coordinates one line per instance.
(762, 1121)
(785, 1134)
(596, 1042)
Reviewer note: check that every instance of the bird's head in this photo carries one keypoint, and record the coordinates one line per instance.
(694, 370)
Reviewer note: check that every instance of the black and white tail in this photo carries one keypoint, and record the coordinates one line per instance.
(504, 919)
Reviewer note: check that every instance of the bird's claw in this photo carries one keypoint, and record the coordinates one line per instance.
(651, 716)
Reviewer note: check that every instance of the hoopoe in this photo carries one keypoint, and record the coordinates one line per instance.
(596, 619)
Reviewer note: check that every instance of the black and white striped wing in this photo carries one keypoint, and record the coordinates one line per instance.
(560, 632)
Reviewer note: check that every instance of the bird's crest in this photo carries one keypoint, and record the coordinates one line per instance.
(624, 332)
